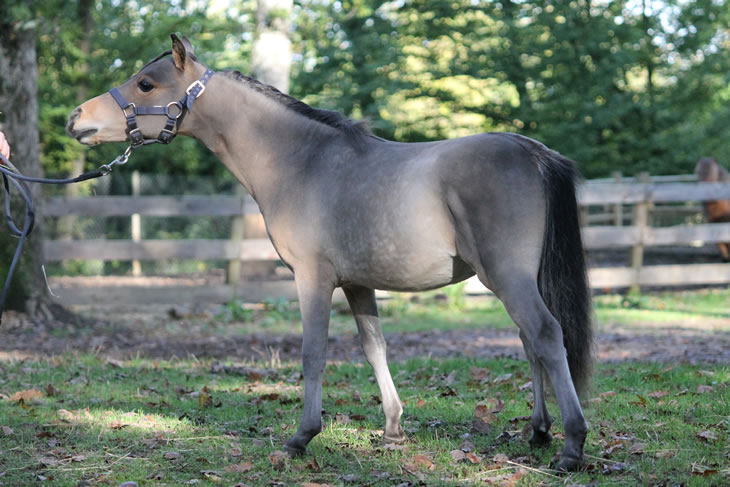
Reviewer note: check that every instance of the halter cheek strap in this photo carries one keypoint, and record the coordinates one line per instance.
(174, 111)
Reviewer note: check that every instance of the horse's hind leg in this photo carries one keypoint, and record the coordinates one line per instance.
(540, 420)
(365, 310)
(545, 337)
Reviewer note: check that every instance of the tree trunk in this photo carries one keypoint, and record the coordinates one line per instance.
(66, 224)
(271, 56)
(19, 104)
(270, 64)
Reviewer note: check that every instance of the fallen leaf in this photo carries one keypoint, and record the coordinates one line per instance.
(665, 453)
(641, 402)
(466, 446)
(449, 391)
(616, 445)
(26, 395)
(473, 457)
(278, 459)
(500, 379)
(607, 394)
(48, 461)
(420, 403)
(117, 425)
(422, 461)
(707, 435)
(701, 389)
(394, 447)
(172, 455)
(240, 467)
(483, 419)
(479, 374)
(65, 415)
(51, 391)
(342, 418)
(204, 399)
(313, 465)
(703, 470)
(657, 394)
(312, 484)
(637, 448)
(212, 475)
(457, 455)
(614, 467)
(500, 458)
(7, 430)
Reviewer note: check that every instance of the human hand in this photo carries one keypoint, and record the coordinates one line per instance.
(4, 146)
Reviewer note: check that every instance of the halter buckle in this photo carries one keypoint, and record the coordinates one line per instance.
(132, 106)
(193, 85)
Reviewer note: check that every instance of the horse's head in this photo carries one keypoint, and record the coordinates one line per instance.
(156, 90)
(707, 170)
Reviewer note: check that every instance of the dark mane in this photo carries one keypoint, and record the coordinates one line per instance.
(353, 130)
(166, 53)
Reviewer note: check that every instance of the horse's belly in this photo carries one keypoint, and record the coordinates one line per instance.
(391, 269)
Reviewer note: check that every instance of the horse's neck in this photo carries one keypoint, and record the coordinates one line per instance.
(259, 140)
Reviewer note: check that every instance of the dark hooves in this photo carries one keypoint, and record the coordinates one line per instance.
(568, 464)
(294, 450)
(540, 439)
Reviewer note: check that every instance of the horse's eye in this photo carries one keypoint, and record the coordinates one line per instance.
(145, 85)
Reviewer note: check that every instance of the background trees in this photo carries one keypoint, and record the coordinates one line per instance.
(629, 85)
(624, 85)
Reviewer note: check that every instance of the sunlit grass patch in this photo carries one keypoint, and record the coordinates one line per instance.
(176, 422)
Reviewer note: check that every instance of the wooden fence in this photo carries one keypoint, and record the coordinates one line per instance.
(641, 198)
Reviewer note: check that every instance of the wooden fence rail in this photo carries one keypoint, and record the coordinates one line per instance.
(638, 235)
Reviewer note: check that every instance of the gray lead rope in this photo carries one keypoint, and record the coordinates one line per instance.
(11, 175)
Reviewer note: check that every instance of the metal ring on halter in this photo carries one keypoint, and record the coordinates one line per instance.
(179, 107)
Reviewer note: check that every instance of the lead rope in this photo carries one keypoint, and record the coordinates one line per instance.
(11, 175)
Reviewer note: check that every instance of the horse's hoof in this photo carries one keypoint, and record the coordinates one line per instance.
(540, 439)
(568, 464)
(395, 440)
(294, 450)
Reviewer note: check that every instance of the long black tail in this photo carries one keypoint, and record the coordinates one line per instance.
(562, 280)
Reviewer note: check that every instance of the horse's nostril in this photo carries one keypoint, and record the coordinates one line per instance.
(72, 120)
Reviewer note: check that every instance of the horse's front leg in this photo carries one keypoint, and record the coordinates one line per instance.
(365, 310)
(315, 300)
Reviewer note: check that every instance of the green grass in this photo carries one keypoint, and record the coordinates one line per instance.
(176, 423)
(451, 310)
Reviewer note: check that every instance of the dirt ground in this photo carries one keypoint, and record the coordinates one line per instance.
(162, 332)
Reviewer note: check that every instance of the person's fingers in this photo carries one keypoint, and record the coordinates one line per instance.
(4, 147)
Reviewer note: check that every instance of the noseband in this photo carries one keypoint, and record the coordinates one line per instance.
(174, 111)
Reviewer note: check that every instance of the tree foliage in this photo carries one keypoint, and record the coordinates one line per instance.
(623, 85)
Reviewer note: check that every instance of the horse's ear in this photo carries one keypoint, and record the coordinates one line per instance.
(178, 52)
(188, 46)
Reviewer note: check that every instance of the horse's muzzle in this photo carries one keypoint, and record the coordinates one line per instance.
(77, 134)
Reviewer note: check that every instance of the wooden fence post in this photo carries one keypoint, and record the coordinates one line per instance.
(640, 221)
(233, 272)
(136, 224)
(618, 209)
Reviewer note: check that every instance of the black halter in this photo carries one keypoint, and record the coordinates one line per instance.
(174, 116)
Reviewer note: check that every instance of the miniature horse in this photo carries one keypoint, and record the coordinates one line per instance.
(344, 208)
